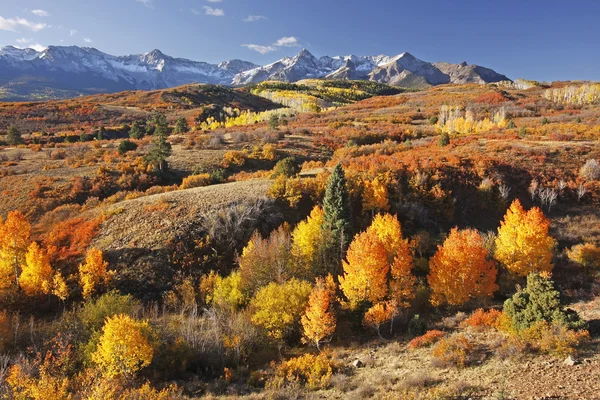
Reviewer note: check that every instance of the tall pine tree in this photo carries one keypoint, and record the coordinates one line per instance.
(160, 149)
(338, 214)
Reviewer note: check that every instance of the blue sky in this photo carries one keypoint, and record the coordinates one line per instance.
(534, 39)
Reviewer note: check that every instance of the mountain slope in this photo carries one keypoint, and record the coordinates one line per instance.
(62, 72)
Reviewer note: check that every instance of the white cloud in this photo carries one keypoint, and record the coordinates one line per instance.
(11, 24)
(73, 32)
(194, 11)
(254, 18)
(24, 41)
(287, 41)
(40, 13)
(147, 3)
(215, 12)
(87, 40)
(259, 48)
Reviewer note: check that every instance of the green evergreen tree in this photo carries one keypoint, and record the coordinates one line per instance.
(136, 131)
(181, 126)
(539, 301)
(160, 149)
(338, 214)
(13, 136)
(101, 133)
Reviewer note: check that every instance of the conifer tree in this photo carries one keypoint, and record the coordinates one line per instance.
(336, 206)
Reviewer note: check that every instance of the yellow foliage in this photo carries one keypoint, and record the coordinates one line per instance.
(14, 242)
(318, 321)
(193, 181)
(375, 195)
(124, 346)
(37, 275)
(59, 287)
(93, 272)
(313, 371)
(308, 240)
(523, 245)
(277, 307)
(586, 254)
(233, 158)
(42, 387)
(269, 152)
(460, 271)
(224, 293)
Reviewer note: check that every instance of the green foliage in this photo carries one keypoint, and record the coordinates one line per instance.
(545, 121)
(443, 139)
(511, 124)
(433, 120)
(13, 136)
(539, 301)
(274, 121)
(94, 313)
(101, 134)
(160, 148)
(336, 205)
(136, 131)
(417, 326)
(181, 126)
(126, 145)
(286, 167)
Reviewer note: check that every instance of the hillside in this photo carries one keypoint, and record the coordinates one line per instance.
(214, 227)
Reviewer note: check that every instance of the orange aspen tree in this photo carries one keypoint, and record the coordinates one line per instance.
(379, 314)
(318, 321)
(523, 245)
(459, 270)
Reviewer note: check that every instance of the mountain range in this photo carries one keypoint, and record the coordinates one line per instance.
(63, 72)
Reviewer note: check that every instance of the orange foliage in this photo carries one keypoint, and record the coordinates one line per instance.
(71, 238)
(429, 338)
(482, 320)
(460, 271)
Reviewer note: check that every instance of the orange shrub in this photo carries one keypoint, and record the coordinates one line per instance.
(429, 338)
(482, 320)
(456, 350)
(71, 238)
(313, 371)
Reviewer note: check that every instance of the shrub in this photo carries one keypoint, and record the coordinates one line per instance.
(286, 167)
(198, 180)
(585, 254)
(456, 350)
(590, 170)
(443, 139)
(429, 338)
(126, 145)
(94, 313)
(539, 301)
(555, 340)
(233, 158)
(269, 152)
(482, 320)
(312, 371)
(417, 326)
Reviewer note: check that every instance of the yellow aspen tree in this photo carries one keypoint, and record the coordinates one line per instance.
(14, 241)
(460, 271)
(93, 272)
(37, 274)
(318, 321)
(59, 287)
(523, 245)
(308, 243)
(124, 347)
(366, 270)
